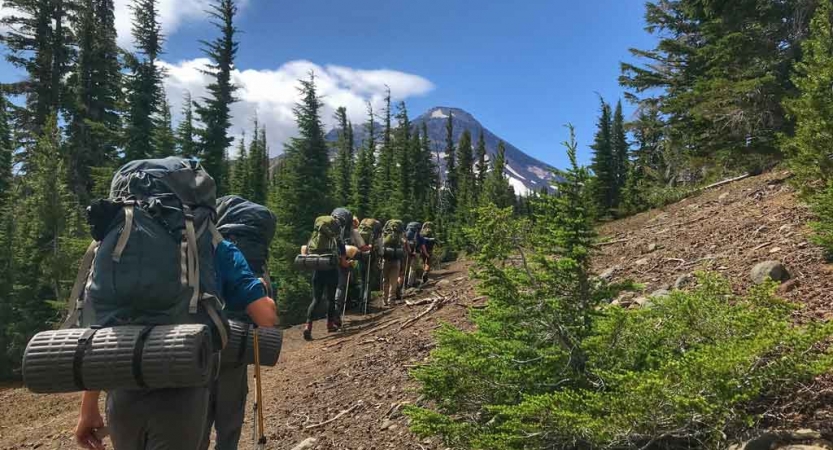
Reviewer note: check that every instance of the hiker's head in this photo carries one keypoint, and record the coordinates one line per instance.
(355, 222)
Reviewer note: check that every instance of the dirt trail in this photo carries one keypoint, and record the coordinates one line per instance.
(364, 368)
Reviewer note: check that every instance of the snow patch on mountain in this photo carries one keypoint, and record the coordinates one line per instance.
(439, 114)
(538, 172)
(510, 169)
(518, 185)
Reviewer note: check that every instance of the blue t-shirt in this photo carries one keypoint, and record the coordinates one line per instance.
(239, 285)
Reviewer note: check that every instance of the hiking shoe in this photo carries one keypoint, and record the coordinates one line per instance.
(308, 332)
(332, 327)
(424, 278)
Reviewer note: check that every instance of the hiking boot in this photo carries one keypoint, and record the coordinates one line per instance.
(331, 326)
(424, 278)
(308, 332)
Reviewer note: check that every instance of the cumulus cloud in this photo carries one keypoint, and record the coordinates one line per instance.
(270, 95)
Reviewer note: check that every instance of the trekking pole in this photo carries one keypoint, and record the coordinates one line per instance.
(346, 292)
(259, 436)
(367, 292)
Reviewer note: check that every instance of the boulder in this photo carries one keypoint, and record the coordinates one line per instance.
(608, 274)
(769, 269)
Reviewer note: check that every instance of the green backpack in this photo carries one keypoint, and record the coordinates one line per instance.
(368, 229)
(392, 234)
(324, 236)
(427, 230)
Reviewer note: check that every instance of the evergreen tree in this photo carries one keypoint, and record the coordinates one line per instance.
(426, 178)
(240, 171)
(259, 167)
(363, 175)
(343, 164)
(214, 111)
(465, 176)
(496, 188)
(620, 150)
(809, 149)
(94, 123)
(383, 186)
(451, 182)
(144, 82)
(403, 179)
(164, 140)
(604, 169)
(7, 275)
(482, 166)
(649, 132)
(185, 132)
(303, 187)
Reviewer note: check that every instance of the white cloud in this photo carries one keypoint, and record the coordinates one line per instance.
(271, 94)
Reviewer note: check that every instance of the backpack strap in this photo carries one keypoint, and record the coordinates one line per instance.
(75, 304)
(210, 304)
(124, 236)
(193, 264)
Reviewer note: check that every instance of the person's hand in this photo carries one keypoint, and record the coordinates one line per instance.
(86, 436)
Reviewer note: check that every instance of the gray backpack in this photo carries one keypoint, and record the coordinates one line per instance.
(152, 260)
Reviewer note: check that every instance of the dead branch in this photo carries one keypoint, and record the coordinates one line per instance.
(338, 416)
(618, 241)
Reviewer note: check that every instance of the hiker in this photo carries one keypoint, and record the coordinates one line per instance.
(352, 238)
(427, 248)
(393, 251)
(371, 232)
(412, 236)
(251, 228)
(327, 239)
(152, 198)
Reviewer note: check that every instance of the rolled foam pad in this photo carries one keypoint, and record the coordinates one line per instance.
(315, 262)
(124, 357)
(270, 339)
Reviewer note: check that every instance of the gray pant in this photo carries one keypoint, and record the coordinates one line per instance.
(227, 408)
(161, 419)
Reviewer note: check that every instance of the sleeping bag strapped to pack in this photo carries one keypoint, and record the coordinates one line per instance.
(322, 246)
(249, 226)
(152, 261)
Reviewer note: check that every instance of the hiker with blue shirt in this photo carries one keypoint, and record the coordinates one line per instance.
(140, 276)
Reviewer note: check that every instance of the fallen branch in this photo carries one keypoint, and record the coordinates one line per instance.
(724, 182)
(604, 244)
(338, 416)
(765, 244)
(364, 333)
(434, 305)
(421, 301)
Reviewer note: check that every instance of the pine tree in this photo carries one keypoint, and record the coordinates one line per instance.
(496, 188)
(185, 131)
(144, 82)
(482, 167)
(383, 186)
(403, 178)
(38, 39)
(451, 182)
(214, 111)
(604, 182)
(809, 149)
(94, 123)
(343, 164)
(425, 176)
(259, 167)
(303, 187)
(164, 140)
(465, 176)
(7, 275)
(621, 149)
(365, 168)
(240, 179)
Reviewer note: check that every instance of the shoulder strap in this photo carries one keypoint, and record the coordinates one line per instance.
(124, 236)
(193, 263)
(75, 303)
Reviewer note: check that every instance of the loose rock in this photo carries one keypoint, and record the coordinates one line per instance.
(660, 293)
(652, 247)
(608, 274)
(683, 281)
(306, 444)
(769, 269)
(642, 262)
(789, 286)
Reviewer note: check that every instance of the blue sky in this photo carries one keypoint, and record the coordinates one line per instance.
(523, 68)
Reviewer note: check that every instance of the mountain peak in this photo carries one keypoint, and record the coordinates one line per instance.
(442, 112)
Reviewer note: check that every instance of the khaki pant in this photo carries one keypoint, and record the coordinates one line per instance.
(390, 273)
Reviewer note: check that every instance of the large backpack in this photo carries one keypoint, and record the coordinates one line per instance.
(370, 229)
(152, 261)
(392, 234)
(427, 230)
(345, 218)
(250, 227)
(412, 230)
(325, 235)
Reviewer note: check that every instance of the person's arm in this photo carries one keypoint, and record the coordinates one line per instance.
(89, 421)
(359, 242)
(263, 312)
